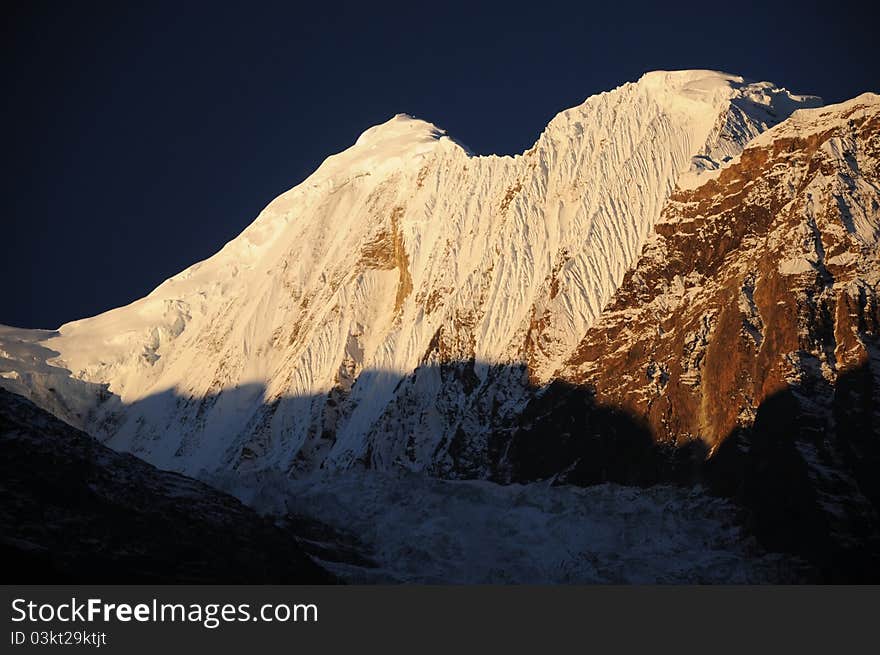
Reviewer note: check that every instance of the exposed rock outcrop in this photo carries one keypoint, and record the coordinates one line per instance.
(744, 347)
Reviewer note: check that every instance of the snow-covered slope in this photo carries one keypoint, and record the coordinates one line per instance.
(396, 297)
(422, 530)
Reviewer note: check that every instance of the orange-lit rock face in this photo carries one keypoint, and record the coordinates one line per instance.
(742, 351)
(762, 279)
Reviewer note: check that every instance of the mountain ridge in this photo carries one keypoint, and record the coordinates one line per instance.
(433, 255)
(677, 285)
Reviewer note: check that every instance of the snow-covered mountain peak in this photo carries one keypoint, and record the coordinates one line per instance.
(690, 91)
(713, 87)
(401, 141)
(729, 109)
(689, 80)
(319, 333)
(401, 128)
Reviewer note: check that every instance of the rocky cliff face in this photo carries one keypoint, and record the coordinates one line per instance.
(743, 348)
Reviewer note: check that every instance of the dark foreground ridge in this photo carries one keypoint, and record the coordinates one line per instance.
(74, 511)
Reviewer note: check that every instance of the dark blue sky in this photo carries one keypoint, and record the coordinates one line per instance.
(139, 140)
